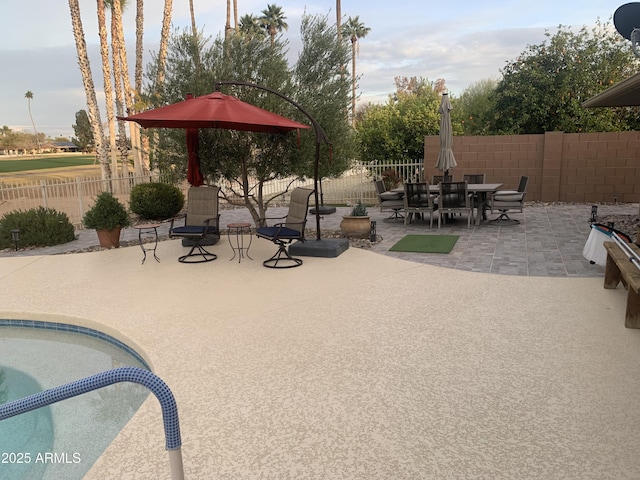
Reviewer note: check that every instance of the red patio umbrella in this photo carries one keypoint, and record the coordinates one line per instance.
(214, 110)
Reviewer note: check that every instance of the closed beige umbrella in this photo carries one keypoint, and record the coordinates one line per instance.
(446, 159)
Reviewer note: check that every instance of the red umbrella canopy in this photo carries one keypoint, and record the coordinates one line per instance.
(215, 110)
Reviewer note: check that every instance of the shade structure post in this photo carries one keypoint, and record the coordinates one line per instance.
(321, 137)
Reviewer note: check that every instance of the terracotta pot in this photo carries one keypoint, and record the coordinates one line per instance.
(109, 238)
(355, 227)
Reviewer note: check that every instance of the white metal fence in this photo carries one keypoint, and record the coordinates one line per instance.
(75, 196)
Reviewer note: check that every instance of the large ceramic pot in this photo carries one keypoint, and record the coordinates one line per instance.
(109, 238)
(355, 227)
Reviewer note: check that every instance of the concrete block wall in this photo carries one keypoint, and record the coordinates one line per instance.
(562, 167)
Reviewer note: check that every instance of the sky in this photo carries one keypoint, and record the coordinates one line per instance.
(460, 41)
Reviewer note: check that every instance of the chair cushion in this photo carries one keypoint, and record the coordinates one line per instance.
(390, 196)
(193, 230)
(392, 204)
(507, 197)
(279, 232)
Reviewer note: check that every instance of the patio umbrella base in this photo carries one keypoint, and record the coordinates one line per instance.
(326, 248)
(323, 210)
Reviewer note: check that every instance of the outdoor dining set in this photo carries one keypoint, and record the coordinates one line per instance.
(445, 197)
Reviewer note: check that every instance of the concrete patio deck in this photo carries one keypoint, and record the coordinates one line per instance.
(363, 366)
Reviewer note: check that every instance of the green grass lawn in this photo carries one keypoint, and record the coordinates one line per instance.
(39, 163)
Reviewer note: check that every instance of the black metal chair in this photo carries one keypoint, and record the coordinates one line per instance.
(478, 200)
(442, 178)
(291, 229)
(454, 198)
(418, 201)
(202, 221)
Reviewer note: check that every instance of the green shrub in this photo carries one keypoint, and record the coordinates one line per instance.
(359, 210)
(156, 201)
(106, 214)
(39, 227)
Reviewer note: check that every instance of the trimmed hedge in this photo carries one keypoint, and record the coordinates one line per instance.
(156, 201)
(39, 227)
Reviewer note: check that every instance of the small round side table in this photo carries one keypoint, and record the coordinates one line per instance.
(239, 230)
(147, 229)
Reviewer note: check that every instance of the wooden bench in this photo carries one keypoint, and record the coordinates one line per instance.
(620, 269)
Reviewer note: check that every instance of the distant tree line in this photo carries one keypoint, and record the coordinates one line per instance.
(20, 141)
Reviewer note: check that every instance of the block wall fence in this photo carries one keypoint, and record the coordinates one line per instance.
(562, 167)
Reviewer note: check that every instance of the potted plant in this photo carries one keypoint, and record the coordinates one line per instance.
(107, 216)
(358, 224)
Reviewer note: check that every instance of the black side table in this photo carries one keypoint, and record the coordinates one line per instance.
(239, 230)
(147, 229)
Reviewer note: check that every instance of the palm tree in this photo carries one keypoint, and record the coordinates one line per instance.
(354, 30)
(235, 14)
(135, 128)
(251, 26)
(338, 17)
(29, 97)
(193, 17)
(227, 25)
(122, 83)
(108, 87)
(89, 88)
(164, 41)
(273, 20)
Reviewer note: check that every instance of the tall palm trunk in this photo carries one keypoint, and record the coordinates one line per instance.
(108, 87)
(193, 17)
(354, 52)
(142, 140)
(126, 85)
(164, 41)
(29, 96)
(89, 89)
(120, 100)
(235, 14)
(227, 25)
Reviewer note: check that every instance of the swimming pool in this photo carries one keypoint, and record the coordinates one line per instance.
(65, 439)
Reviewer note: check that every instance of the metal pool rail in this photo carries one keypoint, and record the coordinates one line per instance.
(104, 379)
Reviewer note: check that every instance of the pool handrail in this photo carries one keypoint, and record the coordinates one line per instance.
(104, 379)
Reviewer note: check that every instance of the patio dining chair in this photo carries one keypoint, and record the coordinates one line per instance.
(504, 201)
(476, 178)
(454, 198)
(441, 178)
(287, 231)
(389, 201)
(418, 201)
(201, 222)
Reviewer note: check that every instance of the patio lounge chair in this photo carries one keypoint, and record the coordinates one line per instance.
(454, 198)
(201, 221)
(283, 233)
(509, 200)
(389, 201)
(418, 200)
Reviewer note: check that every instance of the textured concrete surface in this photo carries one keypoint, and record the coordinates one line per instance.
(548, 241)
(363, 366)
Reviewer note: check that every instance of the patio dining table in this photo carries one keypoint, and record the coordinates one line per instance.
(481, 189)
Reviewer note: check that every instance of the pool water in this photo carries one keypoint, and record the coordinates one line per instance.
(64, 440)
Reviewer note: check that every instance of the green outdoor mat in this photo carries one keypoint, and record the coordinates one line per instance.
(425, 243)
